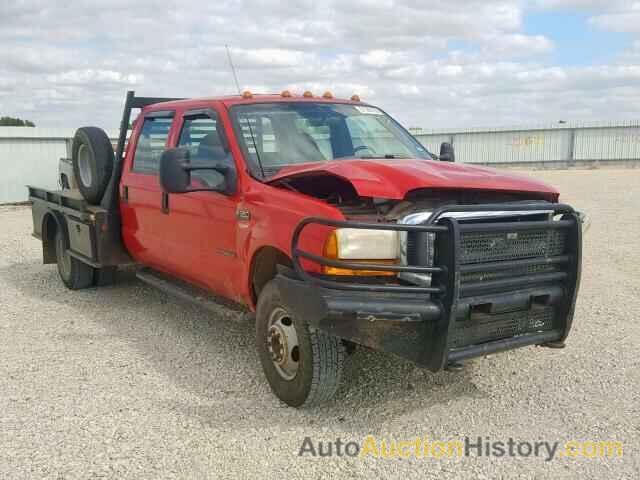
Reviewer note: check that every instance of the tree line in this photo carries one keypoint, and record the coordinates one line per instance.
(15, 122)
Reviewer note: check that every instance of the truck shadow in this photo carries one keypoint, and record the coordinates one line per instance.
(215, 359)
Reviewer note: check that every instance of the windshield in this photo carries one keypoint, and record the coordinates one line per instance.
(283, 134)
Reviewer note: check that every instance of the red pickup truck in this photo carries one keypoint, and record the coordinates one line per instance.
(327, 219)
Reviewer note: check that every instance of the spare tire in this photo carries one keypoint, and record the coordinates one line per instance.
(92, 156)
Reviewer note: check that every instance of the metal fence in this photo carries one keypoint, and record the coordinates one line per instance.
(30, 155)
(549, 145)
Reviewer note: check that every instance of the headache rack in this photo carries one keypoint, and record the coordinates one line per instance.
(500, 282)
(110, 198)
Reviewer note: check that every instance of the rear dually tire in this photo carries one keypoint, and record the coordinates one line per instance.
(74, 274)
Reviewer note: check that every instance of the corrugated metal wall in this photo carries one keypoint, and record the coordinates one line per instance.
(30, 155)
(607, 143)
(563, 143)
(432, 142)
(506, 147)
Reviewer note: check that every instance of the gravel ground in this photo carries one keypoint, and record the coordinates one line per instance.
(124, 382)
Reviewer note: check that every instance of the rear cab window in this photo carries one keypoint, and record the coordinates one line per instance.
(152, 141)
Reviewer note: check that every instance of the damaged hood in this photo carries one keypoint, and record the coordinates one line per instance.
(394, 178)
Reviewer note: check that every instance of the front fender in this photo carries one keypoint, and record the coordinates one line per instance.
(274, 215)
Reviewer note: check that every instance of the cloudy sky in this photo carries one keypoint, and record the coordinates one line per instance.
(430, 63)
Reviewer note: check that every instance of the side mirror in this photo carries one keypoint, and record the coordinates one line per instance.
(175, 174)
(446, 152)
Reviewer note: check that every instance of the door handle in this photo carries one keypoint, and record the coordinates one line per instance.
(125, 194)
(165, 202)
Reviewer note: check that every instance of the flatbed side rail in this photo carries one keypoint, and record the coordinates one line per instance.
(60, 198)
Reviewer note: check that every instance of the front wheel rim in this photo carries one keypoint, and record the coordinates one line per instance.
(282, 343)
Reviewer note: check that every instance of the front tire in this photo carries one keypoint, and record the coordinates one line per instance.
(73, 273)
(303, 365)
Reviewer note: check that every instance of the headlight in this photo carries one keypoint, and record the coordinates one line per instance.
(362, 246)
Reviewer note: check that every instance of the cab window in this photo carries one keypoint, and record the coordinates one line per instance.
(151, 143)
(202, 135)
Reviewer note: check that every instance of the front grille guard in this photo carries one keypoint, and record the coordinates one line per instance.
(446, 286)
(297, 254)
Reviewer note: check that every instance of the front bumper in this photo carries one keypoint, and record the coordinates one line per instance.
(485, 297)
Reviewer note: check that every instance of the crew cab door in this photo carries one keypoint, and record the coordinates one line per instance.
(200, 227)
(140, 192)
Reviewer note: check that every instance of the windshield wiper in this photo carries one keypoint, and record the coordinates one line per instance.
(388, 155)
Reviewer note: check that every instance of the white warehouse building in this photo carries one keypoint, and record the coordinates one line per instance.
(31, 154)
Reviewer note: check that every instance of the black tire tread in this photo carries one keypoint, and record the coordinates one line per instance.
(103, 157)
(81, 274)
(328, 362)
(320, 382)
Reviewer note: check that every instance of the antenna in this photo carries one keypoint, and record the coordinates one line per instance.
(233, 69)
(253, 138)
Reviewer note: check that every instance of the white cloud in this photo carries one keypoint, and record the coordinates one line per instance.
(70, 65)
(621, 21)
(582, 4)
(95, 77)
(383, 59)
(450, 71)
(267, 57)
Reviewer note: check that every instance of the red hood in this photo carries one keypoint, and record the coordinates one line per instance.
(394, 178)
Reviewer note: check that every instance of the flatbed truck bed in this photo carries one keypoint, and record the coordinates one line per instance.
(86, 227)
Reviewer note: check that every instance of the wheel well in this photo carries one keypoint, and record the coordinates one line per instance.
(264, 267)
(49, 229)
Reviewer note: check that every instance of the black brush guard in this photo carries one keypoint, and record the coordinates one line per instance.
(496, 284)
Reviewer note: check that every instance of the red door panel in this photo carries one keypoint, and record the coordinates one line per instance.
(141, 211)
(200, 227)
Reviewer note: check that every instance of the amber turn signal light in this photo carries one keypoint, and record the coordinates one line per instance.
(330, 250)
